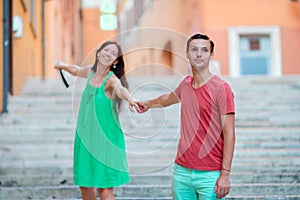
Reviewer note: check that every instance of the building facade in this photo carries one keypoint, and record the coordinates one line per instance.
(252, 37)
(35, 33)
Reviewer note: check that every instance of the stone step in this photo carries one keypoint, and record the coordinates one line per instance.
(37, 136)
(151, 191)
(263, 134)
(141, 179)
(44, 125)
(156, 159)
(149, 155)
(66, 129)
(66, 143)
(53, 169)
(162, 140)
(254, 165)
(28, 102)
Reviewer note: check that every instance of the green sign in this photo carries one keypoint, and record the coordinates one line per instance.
(108, 22)
(108, 6)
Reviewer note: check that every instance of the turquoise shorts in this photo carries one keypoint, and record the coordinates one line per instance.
(189, 184)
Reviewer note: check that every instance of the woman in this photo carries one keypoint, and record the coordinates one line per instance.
(99, 150)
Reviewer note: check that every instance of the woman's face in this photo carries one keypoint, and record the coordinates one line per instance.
(108, 55)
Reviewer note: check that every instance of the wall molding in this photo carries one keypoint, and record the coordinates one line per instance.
(234, 34)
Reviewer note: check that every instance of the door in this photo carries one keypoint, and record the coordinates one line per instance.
(255, 55)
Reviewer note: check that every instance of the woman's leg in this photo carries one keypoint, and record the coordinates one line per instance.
(88, 193)
(106, 193)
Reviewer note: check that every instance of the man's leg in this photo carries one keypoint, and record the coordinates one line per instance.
(204, 182)
(182, 188)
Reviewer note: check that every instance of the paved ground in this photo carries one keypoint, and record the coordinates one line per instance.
(36, 141)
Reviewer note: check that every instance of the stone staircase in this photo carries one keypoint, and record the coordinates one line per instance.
(36, 141)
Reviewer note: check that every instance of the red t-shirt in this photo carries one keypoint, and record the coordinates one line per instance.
(201, 140)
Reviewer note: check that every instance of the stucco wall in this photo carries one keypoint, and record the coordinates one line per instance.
(63, 33)
(162, 36)
(217, 16)
(27, 49)
(92, 34)
(290, 50)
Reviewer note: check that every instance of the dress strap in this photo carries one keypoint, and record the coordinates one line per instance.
(107, 77)
(90, 76)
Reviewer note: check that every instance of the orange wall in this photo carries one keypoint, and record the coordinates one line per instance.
(214, 18)
(93, 36)
(63, 35)
(63, 40)
(26, 50)
(218, 15)
(220, 38)
(178, 22)
(186, 17)
(166, 22)
(290, 50)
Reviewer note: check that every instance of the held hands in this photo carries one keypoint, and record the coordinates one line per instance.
(132, 103)
(140, 106)
(143, 106)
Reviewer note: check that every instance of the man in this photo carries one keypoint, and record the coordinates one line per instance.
(207, 130)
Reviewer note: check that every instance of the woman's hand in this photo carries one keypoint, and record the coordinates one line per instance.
(59, 65)
(133, 103)
(75, 70)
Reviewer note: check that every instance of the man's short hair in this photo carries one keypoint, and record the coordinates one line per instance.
(203, 37)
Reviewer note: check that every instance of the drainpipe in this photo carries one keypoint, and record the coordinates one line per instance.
(6, 44)
(43, 40)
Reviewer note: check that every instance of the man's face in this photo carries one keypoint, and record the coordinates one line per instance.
(199, 53)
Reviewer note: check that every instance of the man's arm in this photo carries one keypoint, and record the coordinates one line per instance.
(223, 183)
(161, 101)
(229, 140)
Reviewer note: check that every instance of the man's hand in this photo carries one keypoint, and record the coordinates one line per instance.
(133, 103)
(143, 106)
(222, 187)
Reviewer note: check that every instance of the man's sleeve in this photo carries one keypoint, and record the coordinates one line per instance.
(226, 100)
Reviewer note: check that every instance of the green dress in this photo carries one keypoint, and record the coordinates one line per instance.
(99, 150)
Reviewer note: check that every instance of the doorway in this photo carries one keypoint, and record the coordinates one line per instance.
(255, 55)
(254, 51)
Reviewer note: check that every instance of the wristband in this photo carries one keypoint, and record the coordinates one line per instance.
(228, 170)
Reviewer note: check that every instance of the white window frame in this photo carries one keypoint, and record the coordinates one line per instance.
(234, 45)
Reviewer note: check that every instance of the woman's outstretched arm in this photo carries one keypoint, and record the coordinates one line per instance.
(75, 70)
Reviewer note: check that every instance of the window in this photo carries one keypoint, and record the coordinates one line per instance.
(235, 33)
(254, 44)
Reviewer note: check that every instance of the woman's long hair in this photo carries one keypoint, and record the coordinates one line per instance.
(117, 69)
